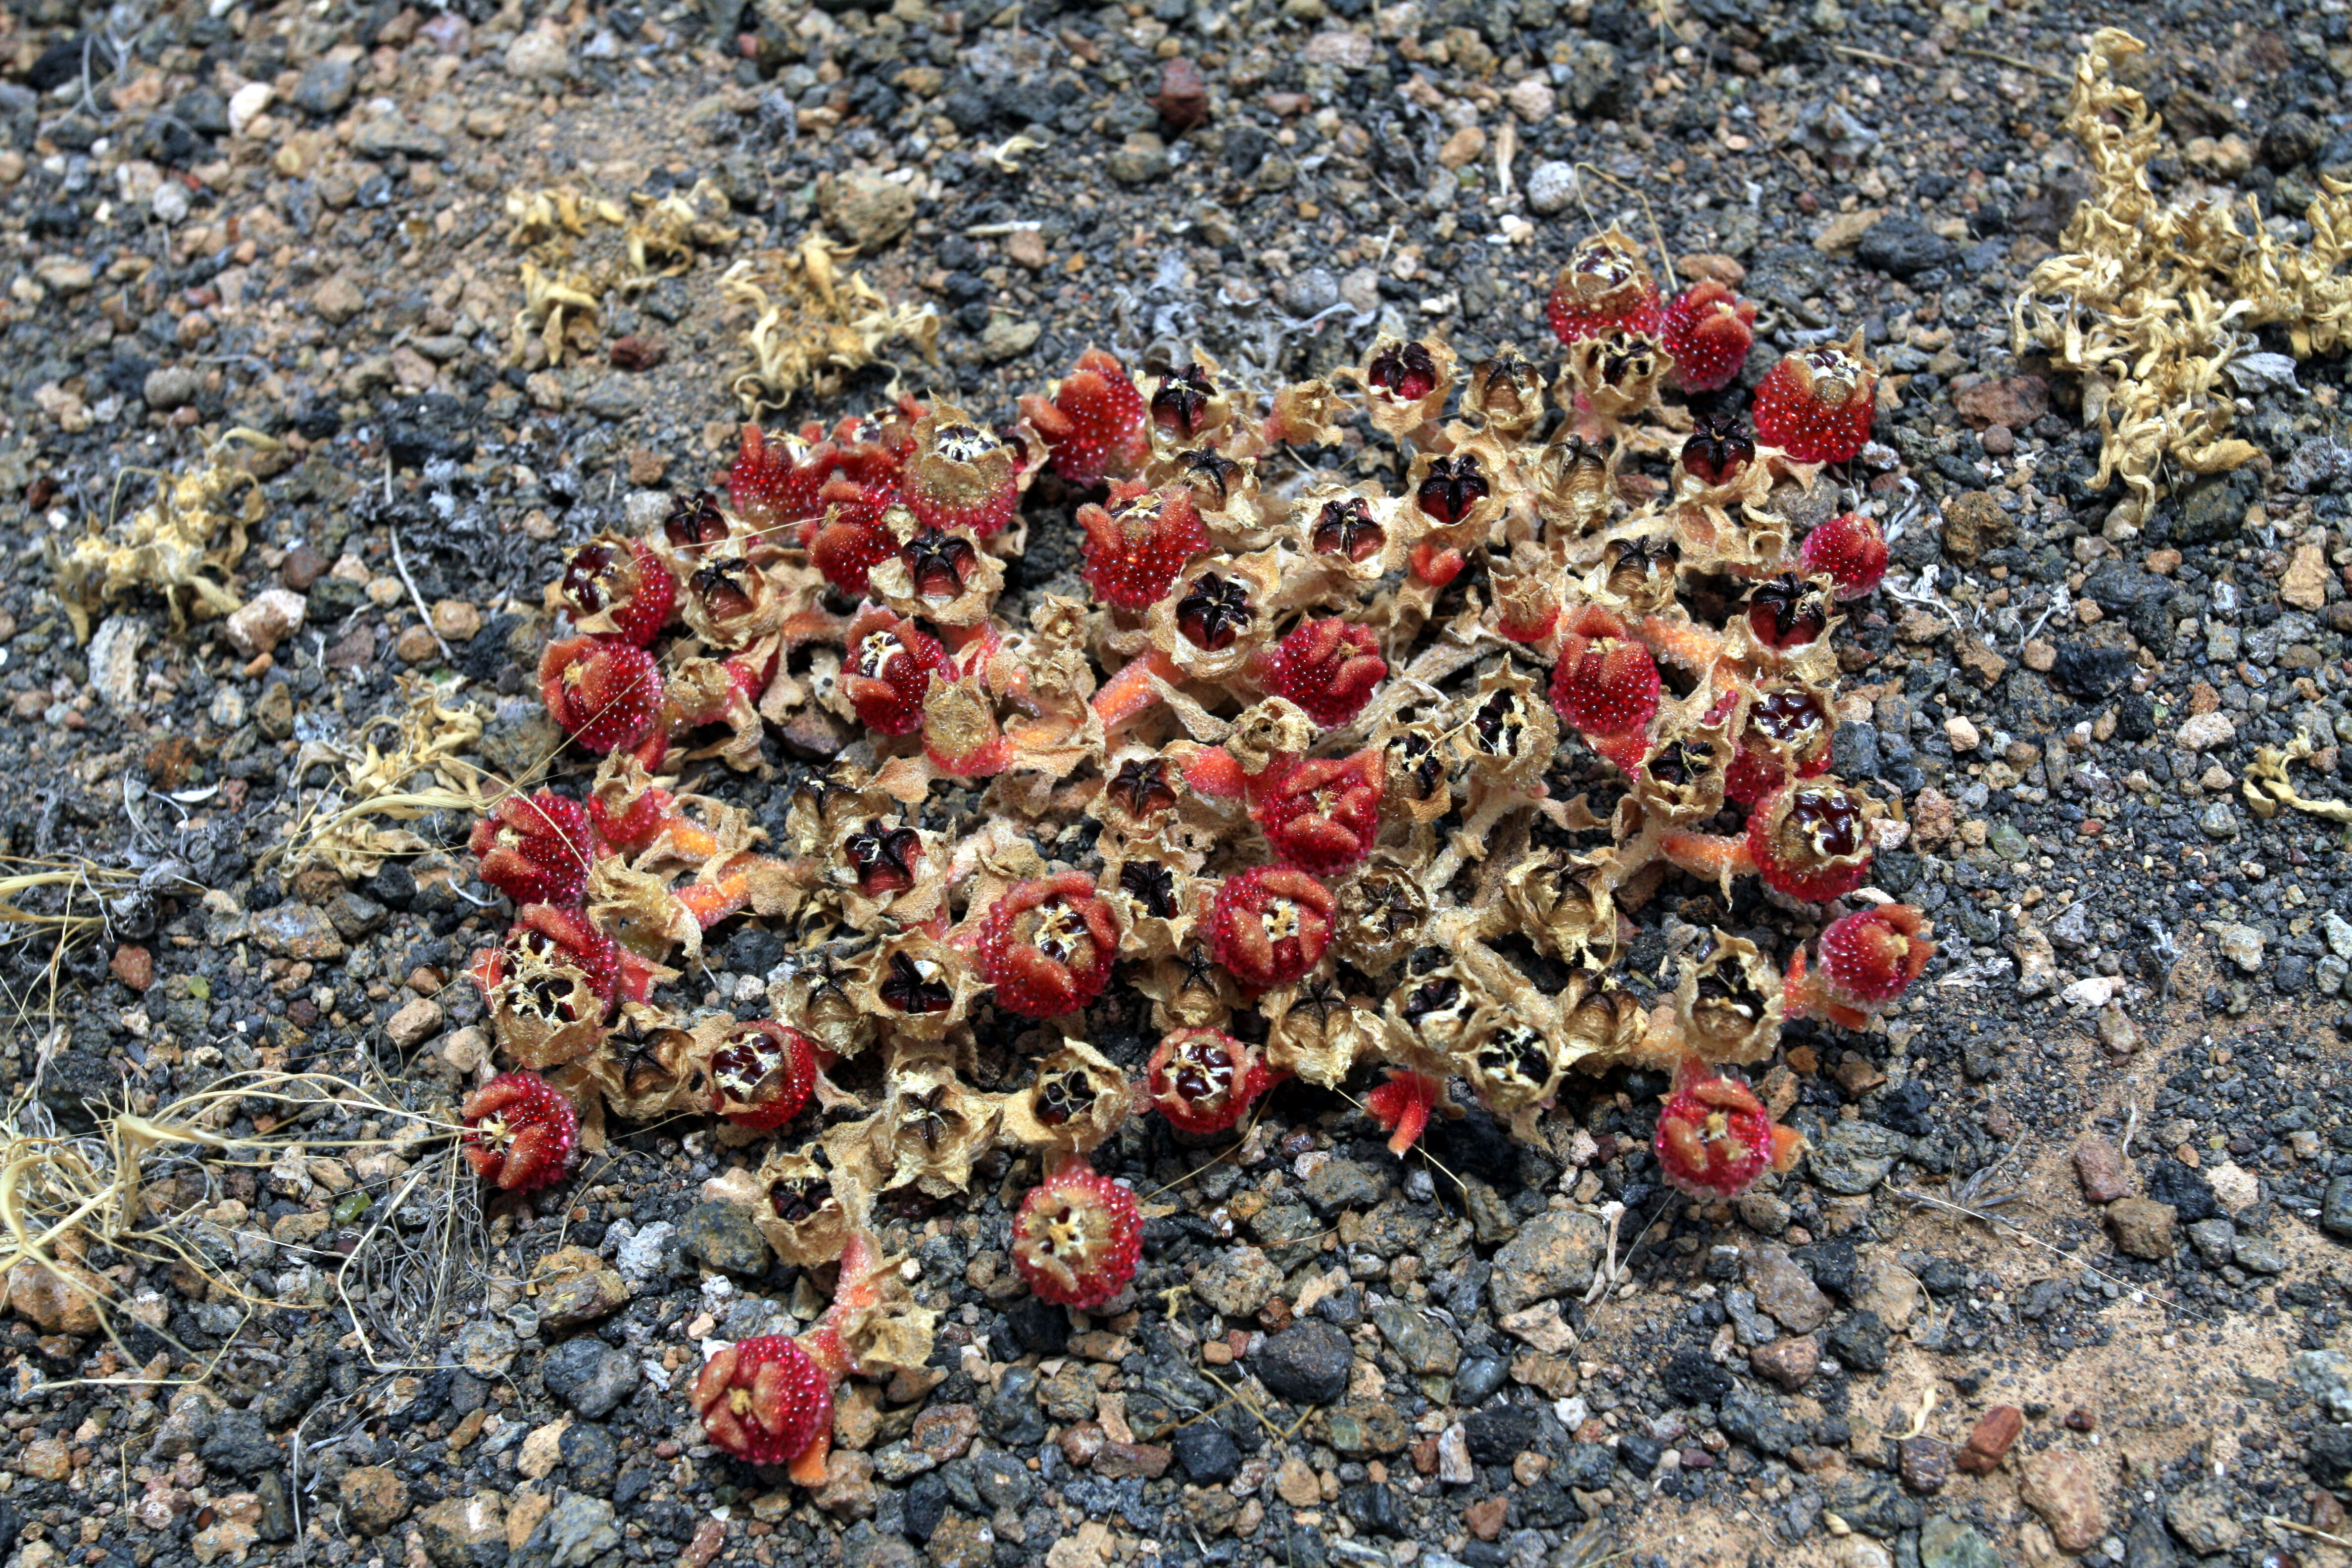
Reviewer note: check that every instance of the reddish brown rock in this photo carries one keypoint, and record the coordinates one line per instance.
(2101, 1171)
(1991, 1441)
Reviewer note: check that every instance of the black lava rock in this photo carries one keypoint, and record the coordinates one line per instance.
(1208, 1453)
(433, 424)
(590, 1377)
(1306, 1363)
(590, 1462)
(1902, 247)
(1859, 1340)
(2090, 672)
(2188, 1191)
(1373, 1508)
(927, 1504)
(1692, 1378)
(239, 1444)
(1499, 1434)
(1039, 1326)
(2328, 1458)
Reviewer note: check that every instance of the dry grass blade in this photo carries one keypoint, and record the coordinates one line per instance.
(62, 1196)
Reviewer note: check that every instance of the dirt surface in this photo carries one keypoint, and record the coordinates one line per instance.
(298, 244)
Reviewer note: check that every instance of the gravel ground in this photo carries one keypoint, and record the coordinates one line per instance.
(296, 220)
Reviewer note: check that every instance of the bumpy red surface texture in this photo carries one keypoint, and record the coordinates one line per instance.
(889, 668)
(1324, 815)
(1329, 666)
(1708, 331)
(1816, 406)
(1606, 682)
(519, 1133)
(1787, 736)
(1602, 290)
(1094, 423)
(764, 1400)
(605, 693)
(1078, 1238)
(1270, 924)
(1804, 836)
(1715, 1137)
(1135, 547)
(623, 578)
(961, 476)
(762, 1075)
(1203, 1081)
(1849, 551)
(1871, 956)
(535, 849)
(770, 483)
(1047, 946)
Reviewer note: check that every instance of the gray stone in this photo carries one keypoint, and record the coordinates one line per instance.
(466, 1533)
(2258, 1254)
(1783, 1290)
(1551, 188)
(590, 1375)
(2219, 822)
(1306, 1363)
(2213, 1239)
(1759, 1421)
(724, 1237)
(172, 386)
(1346, 1185)
(576, 1532)
(1140, 159)
(390, 136)
(2335, 1208)
(2326, 1375)
(326, 86)
(1554, 1254)
(1424, 1345)
(1902, 247)
(1854, 1156)
(645, 1254)
(2199, 1514)
(1945, 1543)
(616, 397)
(1875, 1506)
(1478, 1378)
(1238, 1283)
(1310, 293)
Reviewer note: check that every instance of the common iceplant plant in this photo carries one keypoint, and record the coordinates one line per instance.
(1301, 765)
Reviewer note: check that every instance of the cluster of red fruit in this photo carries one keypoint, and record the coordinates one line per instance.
(1315, 729)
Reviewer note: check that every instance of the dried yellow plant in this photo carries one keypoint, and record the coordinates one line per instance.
(812, 324)
(2149, 301)
(183, 544)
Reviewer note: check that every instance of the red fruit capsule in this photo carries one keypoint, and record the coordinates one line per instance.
(1094, 423)
(606, 694)
(1816, 405)
(1606, 683)
(1708, 332)
(1047, 946)
(620, 580)
(1406, 372)
(1327, 667)
(1811, 840)
(1848, 550)
(1325, 813)
(1203, 1080)
(535, 849)
(1451, 487)
(519, 1133)
(889, 670)
(1788, 611)
(1182, 401)
(850, 539)
(1136, 546)
(960, 475)
(762, 1074)
(1718, 451)
(1078, 1238)
(1787, 736)
(1713, 1137)
(764, 1400)
(1270, 924)
(1605, 287)
(1871, 956)
(770, 483)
